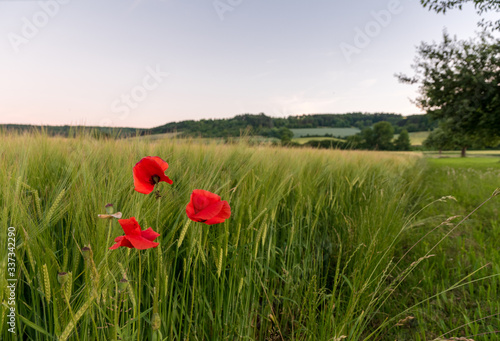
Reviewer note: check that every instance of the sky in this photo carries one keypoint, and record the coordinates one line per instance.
(144, 63)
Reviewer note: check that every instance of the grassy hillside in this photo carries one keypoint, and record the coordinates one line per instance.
(418, 137)
(303, 140)
(322, 131)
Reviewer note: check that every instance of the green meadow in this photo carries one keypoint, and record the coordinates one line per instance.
(321, 244)
(322, 131)
(417, 138)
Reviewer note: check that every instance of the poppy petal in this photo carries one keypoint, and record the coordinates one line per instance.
(141, 243)
(149, 234)
(142, 186)
(190, 210)
(160, 162)
(210, 211)
(145, 169)
(224, 213)
(121, 241)
(201, 199)
(165, 178)
(116, 215)
(212, 197)
(130, 226)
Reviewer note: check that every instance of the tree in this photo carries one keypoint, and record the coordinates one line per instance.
(482, 6)
(285, 135)
(379, 137)
(383, 133)
(459, 86)
(439, 139)
(403, 141)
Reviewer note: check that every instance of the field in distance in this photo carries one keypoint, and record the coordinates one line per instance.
(301, 135)
(337, 132)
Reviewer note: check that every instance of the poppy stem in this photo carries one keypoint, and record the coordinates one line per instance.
(113, 331)
(158, 214)
(139, 301)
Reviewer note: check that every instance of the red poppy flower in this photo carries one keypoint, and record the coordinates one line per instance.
(206, 207)
(134, 237)
(148, 172)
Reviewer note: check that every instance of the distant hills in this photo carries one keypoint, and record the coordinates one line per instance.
(248, 124)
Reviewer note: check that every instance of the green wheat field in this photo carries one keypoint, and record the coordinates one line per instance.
(321, 244)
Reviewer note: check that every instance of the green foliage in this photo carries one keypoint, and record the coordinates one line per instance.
(71, 131)
(482, 6)
(328, 144)
(471, 309)
(334, 125)
(307, 250)
(459, 87)
(440, 140)
(377, 138)
(324, 132)
(403, 141)
(383, 133)
(285, 134)
(320, 245)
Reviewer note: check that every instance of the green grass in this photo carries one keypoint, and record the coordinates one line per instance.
(337, 132)
(303, 140)
(417, 137)
(156, 136)
(483, 163)
(471, 309)
(312, 250)
(469, 154)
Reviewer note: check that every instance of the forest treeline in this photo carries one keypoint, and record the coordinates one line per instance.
(248, 124)
(264, 125)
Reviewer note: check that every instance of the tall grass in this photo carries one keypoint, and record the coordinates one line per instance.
(471, 310)
(306, 255)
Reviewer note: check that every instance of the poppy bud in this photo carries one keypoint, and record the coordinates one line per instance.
(156, 321)
(122, 285)
(109, 209)
(62, 277)
(87, 252)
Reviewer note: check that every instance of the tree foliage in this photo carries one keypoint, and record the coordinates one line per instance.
(481, 6)
(440, 140)
(403, 141)
(264, 125)
(460, 86)
(378, 137)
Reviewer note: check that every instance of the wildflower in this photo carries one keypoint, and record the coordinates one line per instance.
(206, 207)
(134, 237)
(148, 172)
(110, 214)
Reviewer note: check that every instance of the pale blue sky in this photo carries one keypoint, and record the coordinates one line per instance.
(143, 63)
